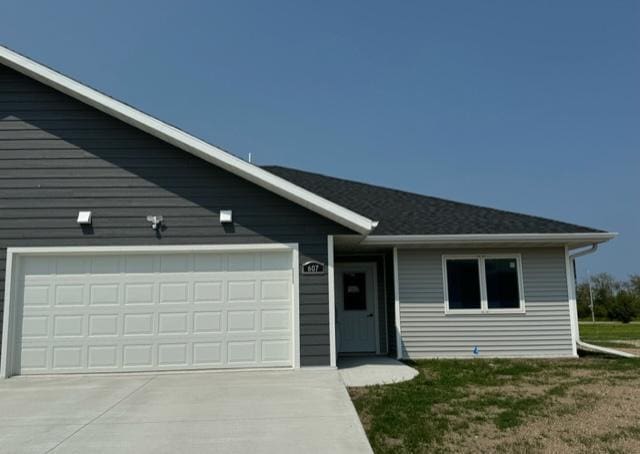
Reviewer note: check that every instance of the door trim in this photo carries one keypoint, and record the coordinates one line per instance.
(7, 366)
(373, 268)
(333, 347)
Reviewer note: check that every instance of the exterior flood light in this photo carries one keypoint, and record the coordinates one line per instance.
(155, 221)
(84, 218)
(226, 216)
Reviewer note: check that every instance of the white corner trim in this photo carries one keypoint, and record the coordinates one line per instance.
(7, 353)
(561, 238)
(333, 354)
(7, 367)
(573, 303)
(186, 142)
(396, 291)
(295, 332)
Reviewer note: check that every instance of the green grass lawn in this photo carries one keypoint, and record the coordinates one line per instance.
(585, 405)
(610, 334)
(610, 331)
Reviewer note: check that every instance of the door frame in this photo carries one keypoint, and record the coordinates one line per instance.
(373, 268)
(7, 366)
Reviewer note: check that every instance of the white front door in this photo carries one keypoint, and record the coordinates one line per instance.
(356, 307)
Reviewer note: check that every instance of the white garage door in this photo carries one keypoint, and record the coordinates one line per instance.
(138, 312)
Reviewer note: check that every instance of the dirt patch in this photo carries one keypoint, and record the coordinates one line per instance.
(589, 405)
(590, 418)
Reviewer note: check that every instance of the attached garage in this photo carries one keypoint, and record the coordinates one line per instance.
(80, 310)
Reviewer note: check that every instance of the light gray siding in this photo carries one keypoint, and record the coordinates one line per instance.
(544, 330)
(58, 156)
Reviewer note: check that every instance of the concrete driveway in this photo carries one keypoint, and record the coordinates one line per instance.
(225, 412)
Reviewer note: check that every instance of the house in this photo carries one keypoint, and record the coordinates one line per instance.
(127, 244)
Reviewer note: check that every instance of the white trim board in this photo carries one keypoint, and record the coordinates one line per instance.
(333, 348)
(396, 292)
(7, 367)
(186, 142)
(573, 309)
(559, 238)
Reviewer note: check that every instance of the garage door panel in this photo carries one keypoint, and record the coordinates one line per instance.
(102, 357)
(101, 325)
(35, 326)
(207, 291)
(139, 293)
(104, 294)
(207, 322)
(275, 320)
(69, 295)
(276, 350)
(174, 292)
(137, 356)
(275, 290)
(65, 326)
(173, 323)
(139, 264)
(72, 265)
(105, 265)
(36, 295)
(207, 353)
(155, 312)
(34, 358)
(138, 324)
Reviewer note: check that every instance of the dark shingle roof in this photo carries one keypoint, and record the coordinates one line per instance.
(405, 213)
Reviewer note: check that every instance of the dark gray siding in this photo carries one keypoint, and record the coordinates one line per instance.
(58, 156)
(544, 330)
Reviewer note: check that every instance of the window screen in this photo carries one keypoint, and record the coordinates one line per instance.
(463, 284)
(502, 283)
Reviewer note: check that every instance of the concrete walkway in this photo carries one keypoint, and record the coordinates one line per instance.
(230, 412)
(373, 370)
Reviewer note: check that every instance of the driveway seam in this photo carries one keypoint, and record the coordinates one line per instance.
(100, 415)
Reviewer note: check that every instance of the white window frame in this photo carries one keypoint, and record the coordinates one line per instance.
(484, 303)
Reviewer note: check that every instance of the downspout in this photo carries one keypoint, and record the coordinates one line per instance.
(579, 343)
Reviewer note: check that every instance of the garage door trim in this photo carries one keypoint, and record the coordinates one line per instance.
(9, 338)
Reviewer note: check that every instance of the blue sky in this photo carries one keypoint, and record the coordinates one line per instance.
(519, 105)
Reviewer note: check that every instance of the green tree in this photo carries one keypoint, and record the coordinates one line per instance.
(633, 284)
(623, 307)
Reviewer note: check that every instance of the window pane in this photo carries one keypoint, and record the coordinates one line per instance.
(502, 283)
(463, 284)
(354, 291)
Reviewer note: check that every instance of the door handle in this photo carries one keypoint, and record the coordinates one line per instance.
(370, 315)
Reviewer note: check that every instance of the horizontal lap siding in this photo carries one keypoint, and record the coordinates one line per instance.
(544, 330)
(58, 156)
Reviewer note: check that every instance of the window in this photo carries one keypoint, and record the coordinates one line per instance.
(463, 284)
(502, 283)
(483, 284)
(355, 297)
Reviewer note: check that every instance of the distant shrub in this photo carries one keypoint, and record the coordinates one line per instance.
(612, 299)
(623, 307)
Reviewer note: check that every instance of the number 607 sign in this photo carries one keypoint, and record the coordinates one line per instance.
(313, 267)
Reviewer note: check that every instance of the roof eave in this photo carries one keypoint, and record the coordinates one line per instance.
(575, 239)
(187, 142)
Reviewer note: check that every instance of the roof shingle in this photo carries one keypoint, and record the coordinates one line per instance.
(406, 213)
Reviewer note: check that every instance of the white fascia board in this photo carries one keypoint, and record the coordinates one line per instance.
(560, 238)
(186, 142)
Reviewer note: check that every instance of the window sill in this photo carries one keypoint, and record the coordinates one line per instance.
(483, 312)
